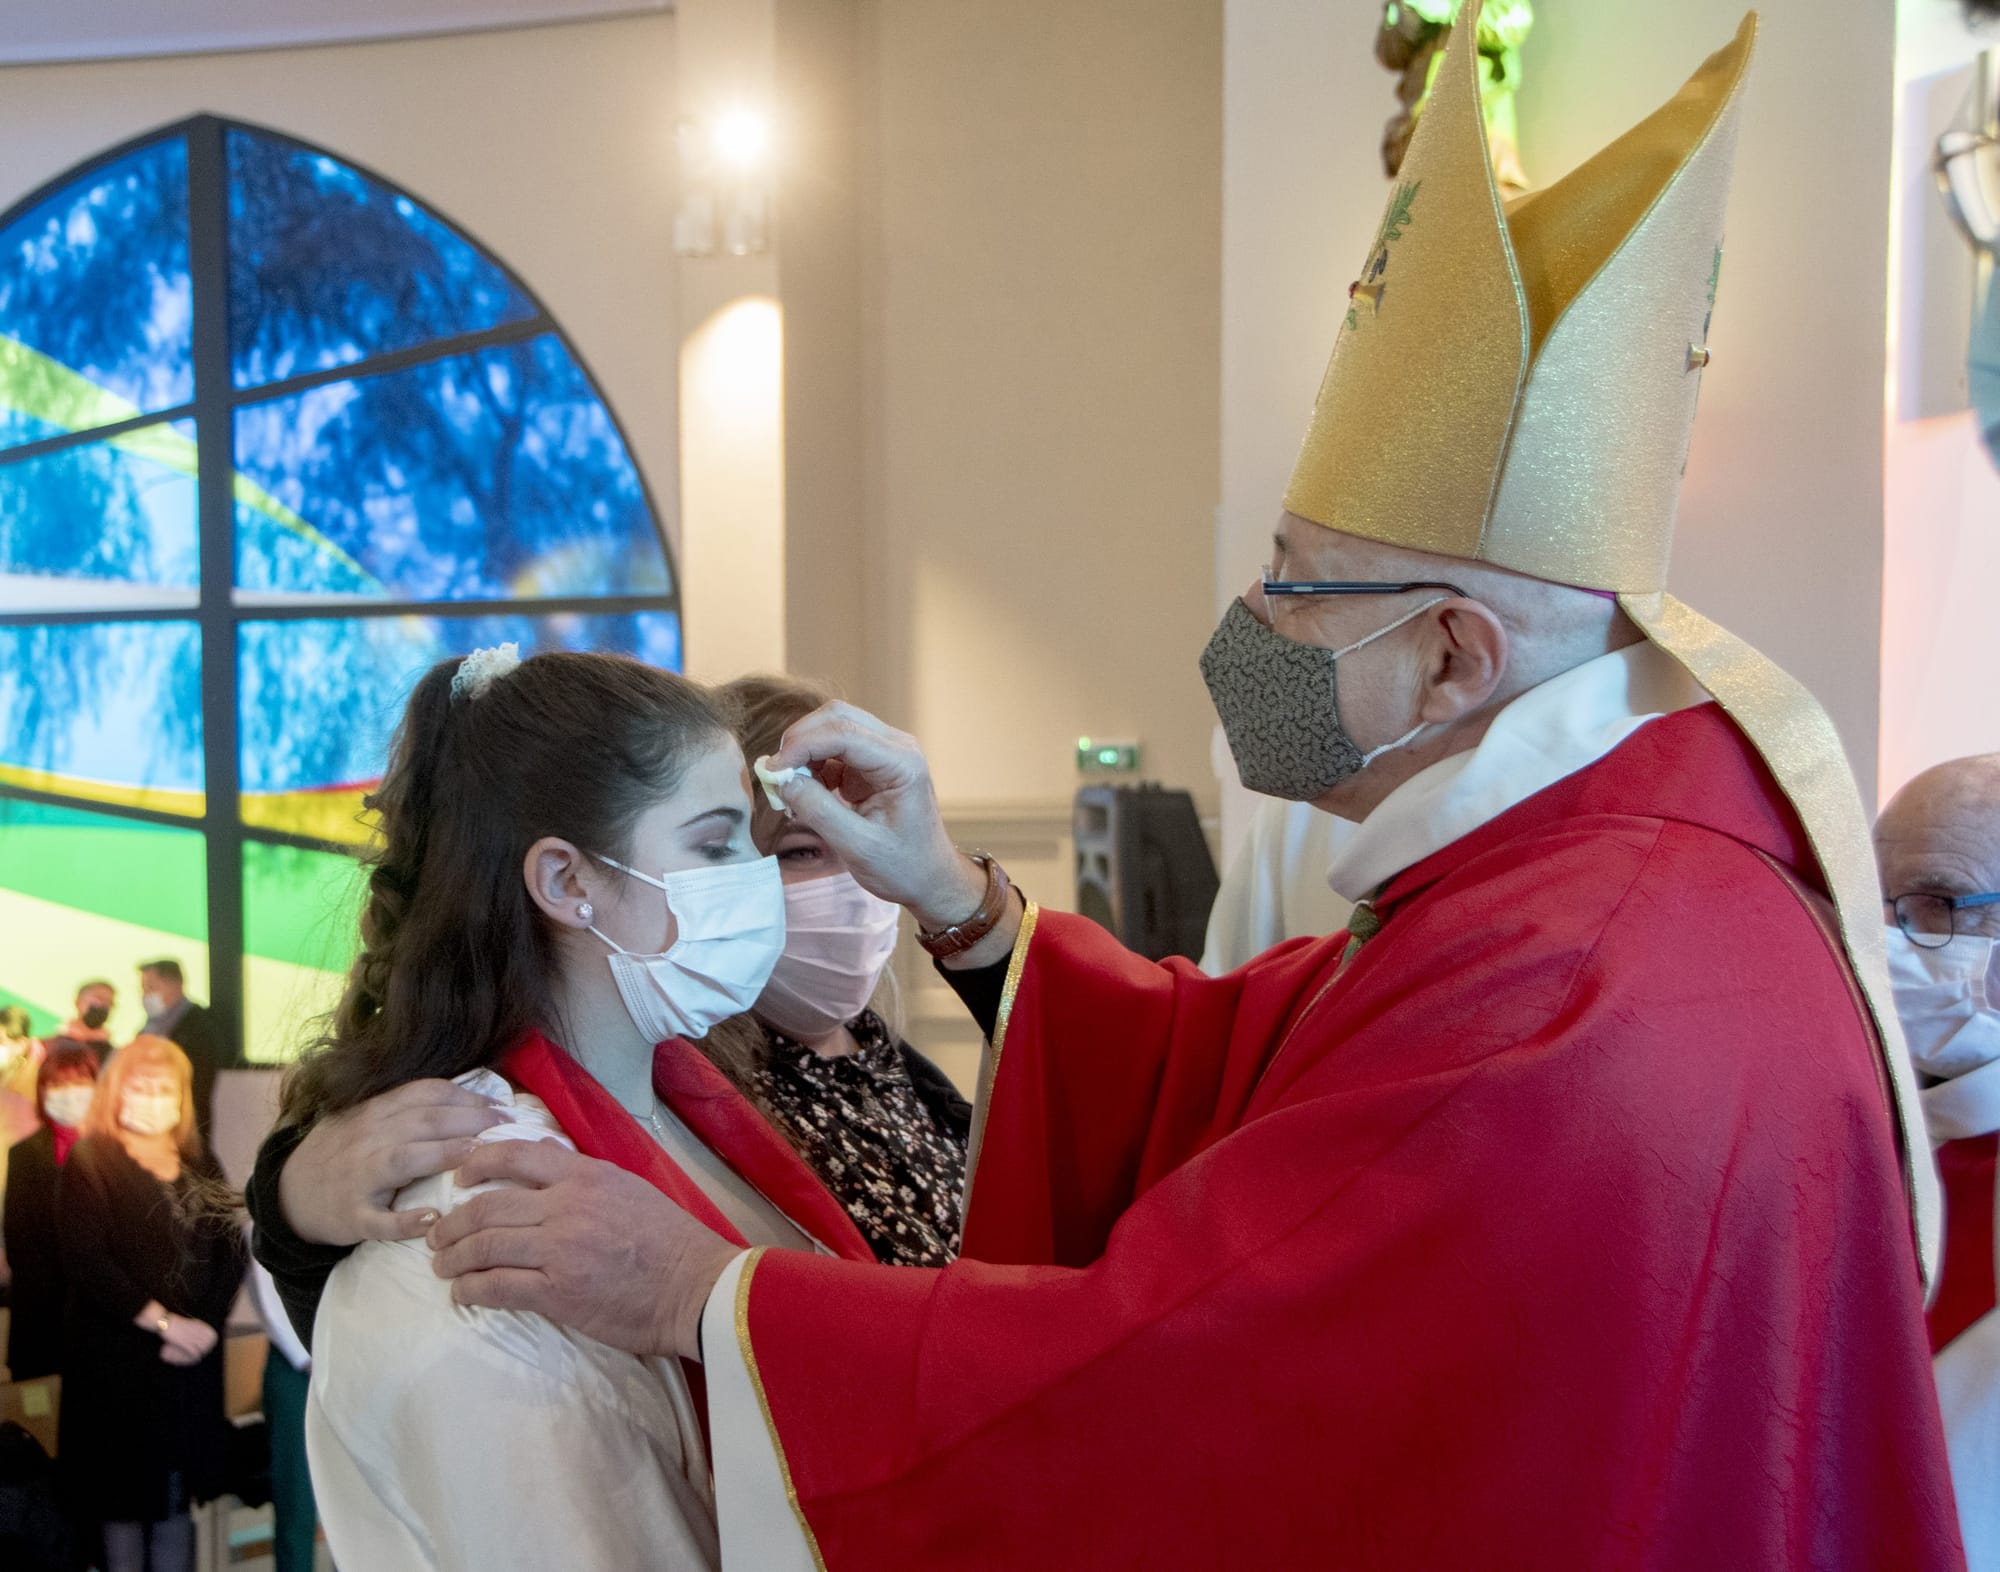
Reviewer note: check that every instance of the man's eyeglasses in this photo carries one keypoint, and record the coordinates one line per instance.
(1932, 921)
(1276, 587)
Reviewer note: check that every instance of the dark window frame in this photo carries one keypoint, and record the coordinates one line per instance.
(213, 409)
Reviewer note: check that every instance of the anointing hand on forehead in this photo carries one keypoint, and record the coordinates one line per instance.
(869, 795)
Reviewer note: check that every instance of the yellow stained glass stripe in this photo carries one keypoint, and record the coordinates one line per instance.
(191, 803)
(52, 947)
(37, 385)
(284, 1006)
(323, 815)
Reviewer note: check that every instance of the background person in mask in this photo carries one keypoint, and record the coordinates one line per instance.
(63, 1087)
(1938, 842)
(881, 1125)
(151, 1263)
(94, 1003)
(192, 1027)
(565, 894)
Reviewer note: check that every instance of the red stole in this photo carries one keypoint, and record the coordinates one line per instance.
(703, 1099)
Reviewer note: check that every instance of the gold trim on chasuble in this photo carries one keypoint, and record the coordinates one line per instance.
(764, 1402)
(989, 1068)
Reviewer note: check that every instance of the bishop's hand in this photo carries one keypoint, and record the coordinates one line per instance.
(869, 795)
(583, 1243)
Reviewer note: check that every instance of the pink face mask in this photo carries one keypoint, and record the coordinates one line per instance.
(838, 941)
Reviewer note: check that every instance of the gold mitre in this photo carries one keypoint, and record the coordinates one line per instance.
(1516, 385)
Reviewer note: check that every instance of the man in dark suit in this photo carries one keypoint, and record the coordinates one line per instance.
(192, 1027)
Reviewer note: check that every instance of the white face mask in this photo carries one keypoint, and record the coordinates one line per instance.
(153, 1004)
(729, 929)
(66, 1105)
(1943, 999)
(838, 940)
(149, 1113)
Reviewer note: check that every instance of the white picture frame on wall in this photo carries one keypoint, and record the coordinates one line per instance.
(1945, 273)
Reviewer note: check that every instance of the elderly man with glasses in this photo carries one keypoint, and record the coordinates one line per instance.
(1939, 846)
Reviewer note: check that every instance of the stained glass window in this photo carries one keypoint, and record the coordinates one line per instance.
(475, 477)
(201, 662)
(96, 300)
(102, 524)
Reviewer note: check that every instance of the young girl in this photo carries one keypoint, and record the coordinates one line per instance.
(565, 892)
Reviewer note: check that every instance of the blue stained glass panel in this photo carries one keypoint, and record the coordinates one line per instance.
(489, 476)
(106, 711)
(18, 426)
(119, 510)
(320, 697)
(96, 302)
(328, 267)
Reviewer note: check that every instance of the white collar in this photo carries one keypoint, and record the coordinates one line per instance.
(1551, 731)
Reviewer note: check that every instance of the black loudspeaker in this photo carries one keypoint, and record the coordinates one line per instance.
(1143, 869)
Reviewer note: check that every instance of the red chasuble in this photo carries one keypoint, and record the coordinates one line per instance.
(1561, 1226)
(1966, 1286)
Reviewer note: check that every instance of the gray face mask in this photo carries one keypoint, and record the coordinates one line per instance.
(1280, 709)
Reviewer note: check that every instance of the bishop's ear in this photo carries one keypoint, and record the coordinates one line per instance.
(1468, 661)
(559, 878)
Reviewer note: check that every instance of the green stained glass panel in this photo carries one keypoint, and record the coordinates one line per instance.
(86, 895)
(301, 914)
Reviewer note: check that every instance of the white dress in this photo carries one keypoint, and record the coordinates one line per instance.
(469, 1440)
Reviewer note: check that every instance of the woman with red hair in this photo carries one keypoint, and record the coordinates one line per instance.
(152, 1263)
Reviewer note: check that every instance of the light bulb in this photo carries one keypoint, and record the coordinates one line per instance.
(742, 138)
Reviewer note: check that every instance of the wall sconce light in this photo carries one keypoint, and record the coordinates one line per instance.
(725, 198)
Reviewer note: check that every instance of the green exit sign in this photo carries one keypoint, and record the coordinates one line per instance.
(1097, 756)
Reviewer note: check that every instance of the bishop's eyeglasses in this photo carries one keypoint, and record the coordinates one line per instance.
(1274, 587)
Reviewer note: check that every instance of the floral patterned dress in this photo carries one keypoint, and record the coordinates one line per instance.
(890, 1149)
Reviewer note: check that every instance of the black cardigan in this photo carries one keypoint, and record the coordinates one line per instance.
(34, 1252)
(148, 1436)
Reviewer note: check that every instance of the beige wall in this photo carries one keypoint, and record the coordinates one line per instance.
(552, 145)
(1302, 191)
(1042, 292)
(732, 375)
(1780, 535)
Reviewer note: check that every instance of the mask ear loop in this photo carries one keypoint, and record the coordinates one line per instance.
(1373, 754)
(644, 878)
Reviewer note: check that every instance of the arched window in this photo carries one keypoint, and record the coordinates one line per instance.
(274, 436)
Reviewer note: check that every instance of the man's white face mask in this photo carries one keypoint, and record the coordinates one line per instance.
(1945, 1000)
